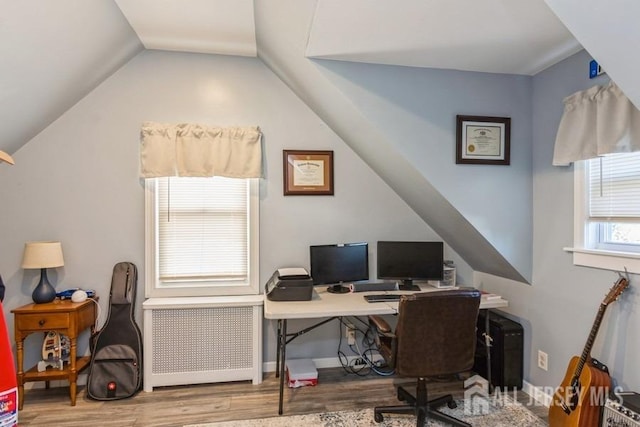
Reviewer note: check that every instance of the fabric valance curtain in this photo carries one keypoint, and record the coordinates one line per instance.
(597, 121)
(187, 149)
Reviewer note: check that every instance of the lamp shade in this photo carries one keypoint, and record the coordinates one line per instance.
(42, 255)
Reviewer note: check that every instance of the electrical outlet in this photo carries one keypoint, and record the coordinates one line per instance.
(347, 329)
(351, 334)
(543, 360)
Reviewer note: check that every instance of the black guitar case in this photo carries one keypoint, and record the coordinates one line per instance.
(116, 359)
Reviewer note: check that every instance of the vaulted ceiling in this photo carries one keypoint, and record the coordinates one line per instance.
(55, 52)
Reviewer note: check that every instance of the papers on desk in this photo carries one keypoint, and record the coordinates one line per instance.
(293, 273)
(488, 296)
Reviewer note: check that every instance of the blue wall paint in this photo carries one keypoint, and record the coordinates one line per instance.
(416, 109)
(558, 310)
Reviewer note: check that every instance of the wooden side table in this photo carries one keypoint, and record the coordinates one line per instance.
(68, 318)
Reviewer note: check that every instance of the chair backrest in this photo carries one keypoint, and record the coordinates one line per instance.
(436, 332)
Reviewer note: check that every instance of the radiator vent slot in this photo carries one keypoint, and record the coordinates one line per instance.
(189, 345)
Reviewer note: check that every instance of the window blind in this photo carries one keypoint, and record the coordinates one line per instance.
(203, 229)
(614, 187)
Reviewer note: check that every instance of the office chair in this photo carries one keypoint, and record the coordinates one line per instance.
(435, 336)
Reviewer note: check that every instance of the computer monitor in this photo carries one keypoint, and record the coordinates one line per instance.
(409, 261)
(338, 265)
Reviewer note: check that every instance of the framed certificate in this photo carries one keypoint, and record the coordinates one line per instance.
(308, 172)
(483, 140)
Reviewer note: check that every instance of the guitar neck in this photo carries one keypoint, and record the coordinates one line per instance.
(568, 408)
(590, 340)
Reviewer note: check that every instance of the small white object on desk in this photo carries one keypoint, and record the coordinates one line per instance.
(448, 279)
(292, 272)
(489, 296)
(79, 296)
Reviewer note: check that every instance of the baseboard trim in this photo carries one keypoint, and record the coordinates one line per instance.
(325, 362)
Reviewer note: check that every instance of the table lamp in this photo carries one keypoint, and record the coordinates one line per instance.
(43, 255)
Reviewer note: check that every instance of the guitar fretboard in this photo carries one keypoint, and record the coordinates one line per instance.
(590, 340)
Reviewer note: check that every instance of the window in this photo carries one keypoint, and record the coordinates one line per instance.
(201, 236)
(614, 201)
(607, 233)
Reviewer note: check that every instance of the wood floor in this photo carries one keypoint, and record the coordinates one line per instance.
(177, 406)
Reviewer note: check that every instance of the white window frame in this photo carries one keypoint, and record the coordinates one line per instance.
(153, 286)
(584, 234)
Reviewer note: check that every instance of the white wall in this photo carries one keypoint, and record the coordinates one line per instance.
(78, 182)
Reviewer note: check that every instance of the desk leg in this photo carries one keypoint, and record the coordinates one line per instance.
(282, 351)
(487, 347)
(278, 347)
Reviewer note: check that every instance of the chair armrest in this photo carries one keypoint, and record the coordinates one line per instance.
(381, 325)
(385, 339)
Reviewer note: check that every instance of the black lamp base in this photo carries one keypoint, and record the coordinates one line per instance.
(44, 292)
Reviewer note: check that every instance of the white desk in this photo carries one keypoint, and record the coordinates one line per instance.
(327, 305)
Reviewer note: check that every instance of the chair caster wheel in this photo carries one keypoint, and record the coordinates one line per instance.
(378, 417)
(452, 404)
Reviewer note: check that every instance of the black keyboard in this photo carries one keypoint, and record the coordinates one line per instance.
(382, 297)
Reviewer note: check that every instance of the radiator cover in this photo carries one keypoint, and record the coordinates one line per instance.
(202, 340)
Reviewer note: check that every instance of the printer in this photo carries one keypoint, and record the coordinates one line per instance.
(289, 284)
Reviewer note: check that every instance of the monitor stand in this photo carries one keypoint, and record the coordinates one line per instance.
(338, 288)
(407, 285)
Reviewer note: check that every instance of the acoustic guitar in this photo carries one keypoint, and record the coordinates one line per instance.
(579, 399)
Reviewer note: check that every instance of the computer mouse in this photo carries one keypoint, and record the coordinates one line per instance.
(79, 296)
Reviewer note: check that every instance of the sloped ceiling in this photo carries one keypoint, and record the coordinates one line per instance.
(224, 27)
(55, 52)
(611, 34)
(494, 36)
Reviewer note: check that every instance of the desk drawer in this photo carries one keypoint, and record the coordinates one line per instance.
(42, 322)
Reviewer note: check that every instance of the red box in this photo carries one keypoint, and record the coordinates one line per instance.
(301, 372)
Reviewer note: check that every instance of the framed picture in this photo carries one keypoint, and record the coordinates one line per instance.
(483, 140)
(308, 172)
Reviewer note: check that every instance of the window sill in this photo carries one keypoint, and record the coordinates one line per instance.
(606, 260)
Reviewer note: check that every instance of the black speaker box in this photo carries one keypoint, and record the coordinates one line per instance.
(506, 350)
